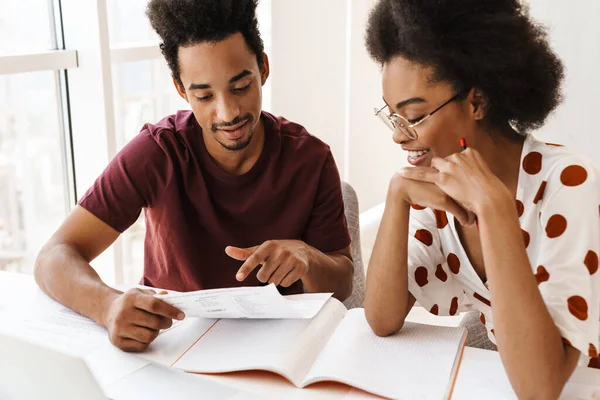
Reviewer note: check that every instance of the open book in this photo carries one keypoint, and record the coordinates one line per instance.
(420, 361)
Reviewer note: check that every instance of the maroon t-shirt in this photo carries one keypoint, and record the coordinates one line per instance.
(194, 209)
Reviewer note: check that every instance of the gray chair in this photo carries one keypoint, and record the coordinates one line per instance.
(477, 332)
(351, 210)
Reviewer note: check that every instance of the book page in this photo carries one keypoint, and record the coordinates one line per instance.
(482, 376)
(414, 363)
(169, 346)
(285, 346)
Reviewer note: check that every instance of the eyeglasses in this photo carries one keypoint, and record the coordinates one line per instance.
(395, 121)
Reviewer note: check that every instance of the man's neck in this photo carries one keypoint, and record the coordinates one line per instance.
(238, 162)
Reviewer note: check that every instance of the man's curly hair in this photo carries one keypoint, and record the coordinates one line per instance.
(188, 22)
(491, 45)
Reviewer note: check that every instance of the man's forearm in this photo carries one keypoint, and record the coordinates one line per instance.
(64, 275)
(331, 272)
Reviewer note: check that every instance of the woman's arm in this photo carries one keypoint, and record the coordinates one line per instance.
(537, 362)
(387, 299)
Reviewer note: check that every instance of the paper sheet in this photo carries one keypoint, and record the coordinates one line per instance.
(263, 302)
(63, 330)
(75, 336)
(110, 365)
(89, 324)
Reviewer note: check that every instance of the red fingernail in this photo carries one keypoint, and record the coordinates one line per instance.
(463, 143)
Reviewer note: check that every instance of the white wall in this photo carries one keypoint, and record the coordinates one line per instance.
(373, 155)
(323, 78)
(575, 35)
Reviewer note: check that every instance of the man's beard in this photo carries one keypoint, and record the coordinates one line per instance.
(238, 145)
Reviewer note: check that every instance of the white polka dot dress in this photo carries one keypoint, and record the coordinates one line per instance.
(558, 203)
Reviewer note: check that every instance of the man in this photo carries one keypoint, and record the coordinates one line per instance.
(232, 195)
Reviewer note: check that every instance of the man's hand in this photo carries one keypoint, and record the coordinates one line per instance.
(135, 318)
(283, 261)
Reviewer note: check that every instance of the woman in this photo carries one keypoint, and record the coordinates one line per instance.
(523, 245)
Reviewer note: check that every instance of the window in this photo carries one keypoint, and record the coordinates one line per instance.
(143, 92)
(33, 200)
(34, 166)
(127, 22)
(16, 21)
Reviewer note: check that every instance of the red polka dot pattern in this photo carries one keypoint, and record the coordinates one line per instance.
(525, 237)
(532, 163)
(592, 351)
(540, 193)
(578, 307)
(573, 175)
(421, 276)
(424, 236)
(541, 275)
(594, 363)
(441, 220)
(482, 299)
(591, 262)
(453, 263)
(454, 306)
(556, 226)
(440, 273)
(520, 208)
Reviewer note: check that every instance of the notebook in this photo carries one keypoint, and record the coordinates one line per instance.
(418, 362)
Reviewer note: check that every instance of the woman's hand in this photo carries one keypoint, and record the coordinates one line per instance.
(465, 178)
(426, 194)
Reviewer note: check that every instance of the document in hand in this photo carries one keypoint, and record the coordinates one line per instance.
(262, 302)
(419, 362)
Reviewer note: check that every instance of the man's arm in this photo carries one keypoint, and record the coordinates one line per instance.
(285, 261)
(62, 269)
(63, 272)
(330, 272)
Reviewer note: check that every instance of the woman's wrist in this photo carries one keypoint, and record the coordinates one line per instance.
(495, 202)
(397, 191)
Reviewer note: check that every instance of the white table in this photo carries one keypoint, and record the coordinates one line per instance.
(481, 374)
